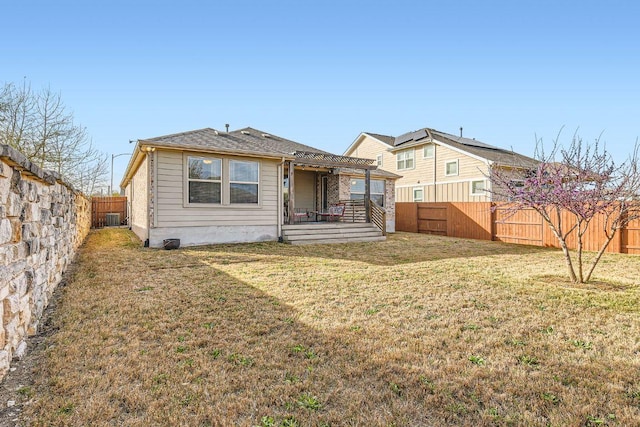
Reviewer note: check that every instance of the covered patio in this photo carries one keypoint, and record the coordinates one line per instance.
(332, 191)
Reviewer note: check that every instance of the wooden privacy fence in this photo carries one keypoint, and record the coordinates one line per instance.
(477, 220)
(108, 211)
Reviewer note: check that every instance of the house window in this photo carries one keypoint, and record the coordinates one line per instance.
(451, 168)
(379, 160)
(376, 190)
(478, 188)
(428, 151)
(243, 181)
(405, 160)
(418, 194)
(205, 179)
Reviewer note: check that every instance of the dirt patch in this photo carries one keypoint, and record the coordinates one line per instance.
(594, 285)
(17, 387)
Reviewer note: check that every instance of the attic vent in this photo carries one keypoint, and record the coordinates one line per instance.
(266, 135)
(245, 132)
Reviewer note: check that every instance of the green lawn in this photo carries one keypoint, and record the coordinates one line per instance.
(417, 330)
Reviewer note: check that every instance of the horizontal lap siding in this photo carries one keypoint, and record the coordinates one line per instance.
(171, 211)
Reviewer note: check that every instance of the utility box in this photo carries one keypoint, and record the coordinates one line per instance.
(113, 219)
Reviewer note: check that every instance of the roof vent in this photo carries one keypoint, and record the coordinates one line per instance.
(245, 132)
(227, 126)
(216, 132)
(266, 135)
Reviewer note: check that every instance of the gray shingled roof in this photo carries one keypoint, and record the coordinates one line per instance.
(247, 140)
(471, 146)
(486, 151)
(389, 140)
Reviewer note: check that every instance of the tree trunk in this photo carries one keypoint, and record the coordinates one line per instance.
(599, 255)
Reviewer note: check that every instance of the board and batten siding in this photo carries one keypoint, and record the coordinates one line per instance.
(171, 210)
(137, 193)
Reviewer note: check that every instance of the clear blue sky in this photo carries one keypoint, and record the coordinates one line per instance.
(320, 72)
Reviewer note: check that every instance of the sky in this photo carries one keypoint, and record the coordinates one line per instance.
(322, 72)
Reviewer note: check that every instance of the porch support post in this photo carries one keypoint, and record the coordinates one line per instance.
(367, 193)
(291, 204)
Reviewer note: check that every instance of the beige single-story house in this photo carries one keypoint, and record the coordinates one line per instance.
(437, 166)
(208, 186)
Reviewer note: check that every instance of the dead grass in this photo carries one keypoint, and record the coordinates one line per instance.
(417, 330)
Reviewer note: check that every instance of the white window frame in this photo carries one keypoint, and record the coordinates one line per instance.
(379, 158)
(433, 150)
(482, 192)
(405, 157)
(188, 179)
(421, 189)
(457, 162)
(256, 183)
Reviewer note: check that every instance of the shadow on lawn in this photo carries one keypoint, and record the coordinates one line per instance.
(398, 249)
(185, 343)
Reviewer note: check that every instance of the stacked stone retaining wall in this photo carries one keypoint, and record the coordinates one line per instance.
(42, 223)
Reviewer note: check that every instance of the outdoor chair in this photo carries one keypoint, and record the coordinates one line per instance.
(334, 213)
(301, 214)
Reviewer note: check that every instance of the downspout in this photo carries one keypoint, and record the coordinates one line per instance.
(280, 197)
(435, 170)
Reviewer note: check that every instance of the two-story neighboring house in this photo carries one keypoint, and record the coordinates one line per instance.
(436, 166)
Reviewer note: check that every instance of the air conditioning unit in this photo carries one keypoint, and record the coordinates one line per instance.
(113, 219)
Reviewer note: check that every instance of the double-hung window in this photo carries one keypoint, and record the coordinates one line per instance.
(243, 181)
(204, 179)
(376, 190)
(405, 159)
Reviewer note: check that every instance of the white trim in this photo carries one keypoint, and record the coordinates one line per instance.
(381, 161)
(457, 181)
(360, 138)
(434, 150)
(413, 194)
(457, 162)
(483, 192)
(405, 160)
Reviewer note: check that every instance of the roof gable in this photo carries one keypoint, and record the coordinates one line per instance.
(247, 140)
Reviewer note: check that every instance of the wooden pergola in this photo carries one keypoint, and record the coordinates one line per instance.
(325, 160)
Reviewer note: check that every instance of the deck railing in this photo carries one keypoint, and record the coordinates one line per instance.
(354, 211)
(378, 216)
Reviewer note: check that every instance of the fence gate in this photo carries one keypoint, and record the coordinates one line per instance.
(108, 211)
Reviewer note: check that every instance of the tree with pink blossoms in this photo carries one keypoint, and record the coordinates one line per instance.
(582, 180)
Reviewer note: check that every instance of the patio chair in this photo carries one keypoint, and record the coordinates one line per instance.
(301, 214)
(334, 213)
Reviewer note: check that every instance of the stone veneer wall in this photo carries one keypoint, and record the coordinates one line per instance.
(42, 223)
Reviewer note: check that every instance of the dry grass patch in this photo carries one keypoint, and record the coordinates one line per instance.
(417, 330)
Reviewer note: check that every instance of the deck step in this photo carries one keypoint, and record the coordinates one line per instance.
(299, 234)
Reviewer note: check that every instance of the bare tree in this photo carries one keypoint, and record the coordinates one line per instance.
(40, 126)
(587, 183)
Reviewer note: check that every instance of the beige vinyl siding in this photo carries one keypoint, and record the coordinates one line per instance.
(138, 194)
(370, 148)
(172, 212)
(454, 188)
(305, 188)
